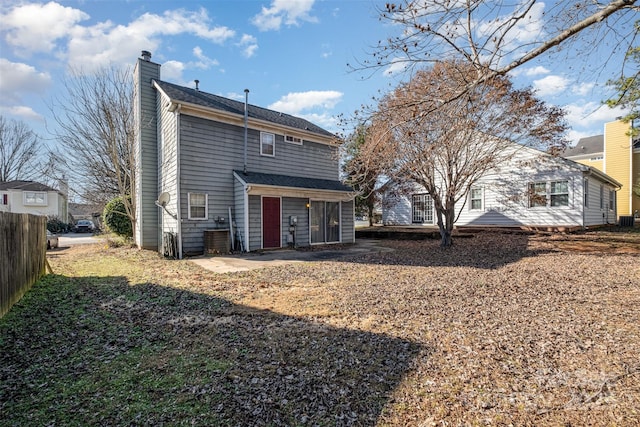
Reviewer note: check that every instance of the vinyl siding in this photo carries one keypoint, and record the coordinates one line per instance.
(635, 206)
(238, 212)
(255, 223)
(168, 165)
(347, 222)
(296, 207)
(210, 151)
(146, 155)
(617, 158)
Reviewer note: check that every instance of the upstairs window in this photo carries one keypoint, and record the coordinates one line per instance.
(267, 144)
(293, 139)
(197, 206)
(35, 198)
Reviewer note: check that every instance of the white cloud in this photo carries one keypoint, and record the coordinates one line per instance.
(18, 78)
(249, 45)
(550, 85)
(289, 12)
(397, 66)
(583, 89)
(204, 62)
(172, 70)
(585, 114)
(536, 71)
(36, 27)
(294, 103)
(21, 112)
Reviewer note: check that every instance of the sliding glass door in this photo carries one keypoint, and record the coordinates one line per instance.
(325, 221)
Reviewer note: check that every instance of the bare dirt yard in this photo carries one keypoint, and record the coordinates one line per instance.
(502, 329)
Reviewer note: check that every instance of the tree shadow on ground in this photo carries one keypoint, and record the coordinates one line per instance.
(97, 350)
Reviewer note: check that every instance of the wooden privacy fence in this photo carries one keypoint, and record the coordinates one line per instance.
(23, 250)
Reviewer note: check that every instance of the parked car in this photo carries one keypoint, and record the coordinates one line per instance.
(52, 240)
(84, 226)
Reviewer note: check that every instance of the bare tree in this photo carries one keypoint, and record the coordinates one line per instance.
(19, 150)
(495, 37)
(446, 147)
(361, 173)
(96, 133)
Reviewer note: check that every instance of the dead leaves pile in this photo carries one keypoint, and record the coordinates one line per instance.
(501, 329)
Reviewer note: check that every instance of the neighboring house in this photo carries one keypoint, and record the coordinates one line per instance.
(34, 198)
(617, 155)
(200, 158)
(91, 212)
(531, 190)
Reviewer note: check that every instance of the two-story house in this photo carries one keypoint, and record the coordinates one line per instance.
(206, 163)
(618, 155)
(34, 198)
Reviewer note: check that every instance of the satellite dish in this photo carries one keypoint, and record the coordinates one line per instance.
(163, 199)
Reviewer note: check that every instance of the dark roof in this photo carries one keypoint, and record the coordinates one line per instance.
(215, 102)
(586, 146)
(25, 186)
(291, 181)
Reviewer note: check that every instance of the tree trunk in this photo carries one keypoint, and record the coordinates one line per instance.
(446, 227)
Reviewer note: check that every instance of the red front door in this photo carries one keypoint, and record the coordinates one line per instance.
(270, 222)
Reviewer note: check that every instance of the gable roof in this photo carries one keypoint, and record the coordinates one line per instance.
(25, 186)
(187, 95)
(586, 146)
(274, 180)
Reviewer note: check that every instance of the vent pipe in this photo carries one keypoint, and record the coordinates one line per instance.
(246, 125)
(197, 83)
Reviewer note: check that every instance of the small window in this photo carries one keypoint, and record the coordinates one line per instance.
(198, 206)
(476, 198)
(35, 198)
(559, 193)
(293, 139)
(612, 200)
(586, 193)
(267, 144)
(537, 194)
(5, 199)
(593, 159)
(601, 197)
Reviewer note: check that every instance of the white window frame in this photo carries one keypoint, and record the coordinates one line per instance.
(34, 201)
(292, 139)
(206, 207)
(612, 200)
(586, 193)
(263, 136)
(531, 187)
(480, 199)
(557, 193)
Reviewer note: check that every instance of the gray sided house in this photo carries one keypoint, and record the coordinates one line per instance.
(210, 170)
(530, 190)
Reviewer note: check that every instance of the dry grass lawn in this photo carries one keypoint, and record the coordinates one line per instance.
(502, 329)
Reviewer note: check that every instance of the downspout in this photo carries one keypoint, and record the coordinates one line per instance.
(247, 188)
(179, 210)
(246, 125)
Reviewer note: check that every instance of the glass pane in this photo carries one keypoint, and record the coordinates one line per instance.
(559, 200)
(559, 187)
(333, 221)
(316, 213)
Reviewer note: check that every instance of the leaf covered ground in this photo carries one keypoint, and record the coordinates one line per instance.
(500, 329)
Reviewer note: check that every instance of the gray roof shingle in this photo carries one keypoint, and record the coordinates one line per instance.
(586, 146)
(25, 186)
(203, 99)
(257, 178)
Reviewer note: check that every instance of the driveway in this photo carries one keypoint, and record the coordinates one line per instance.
(71, 239)
(252, 261)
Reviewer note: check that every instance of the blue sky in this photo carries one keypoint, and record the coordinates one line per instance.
(291, 54)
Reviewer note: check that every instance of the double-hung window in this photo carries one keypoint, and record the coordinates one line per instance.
(612, 200)
(559, 193)
(197, 206)
(537, 194)
(267, 144)
(475, 197)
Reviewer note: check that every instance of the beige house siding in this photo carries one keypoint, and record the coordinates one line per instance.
(617, 162)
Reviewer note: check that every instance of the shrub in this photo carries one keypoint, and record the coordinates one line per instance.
(116, 219)
(56, 225)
